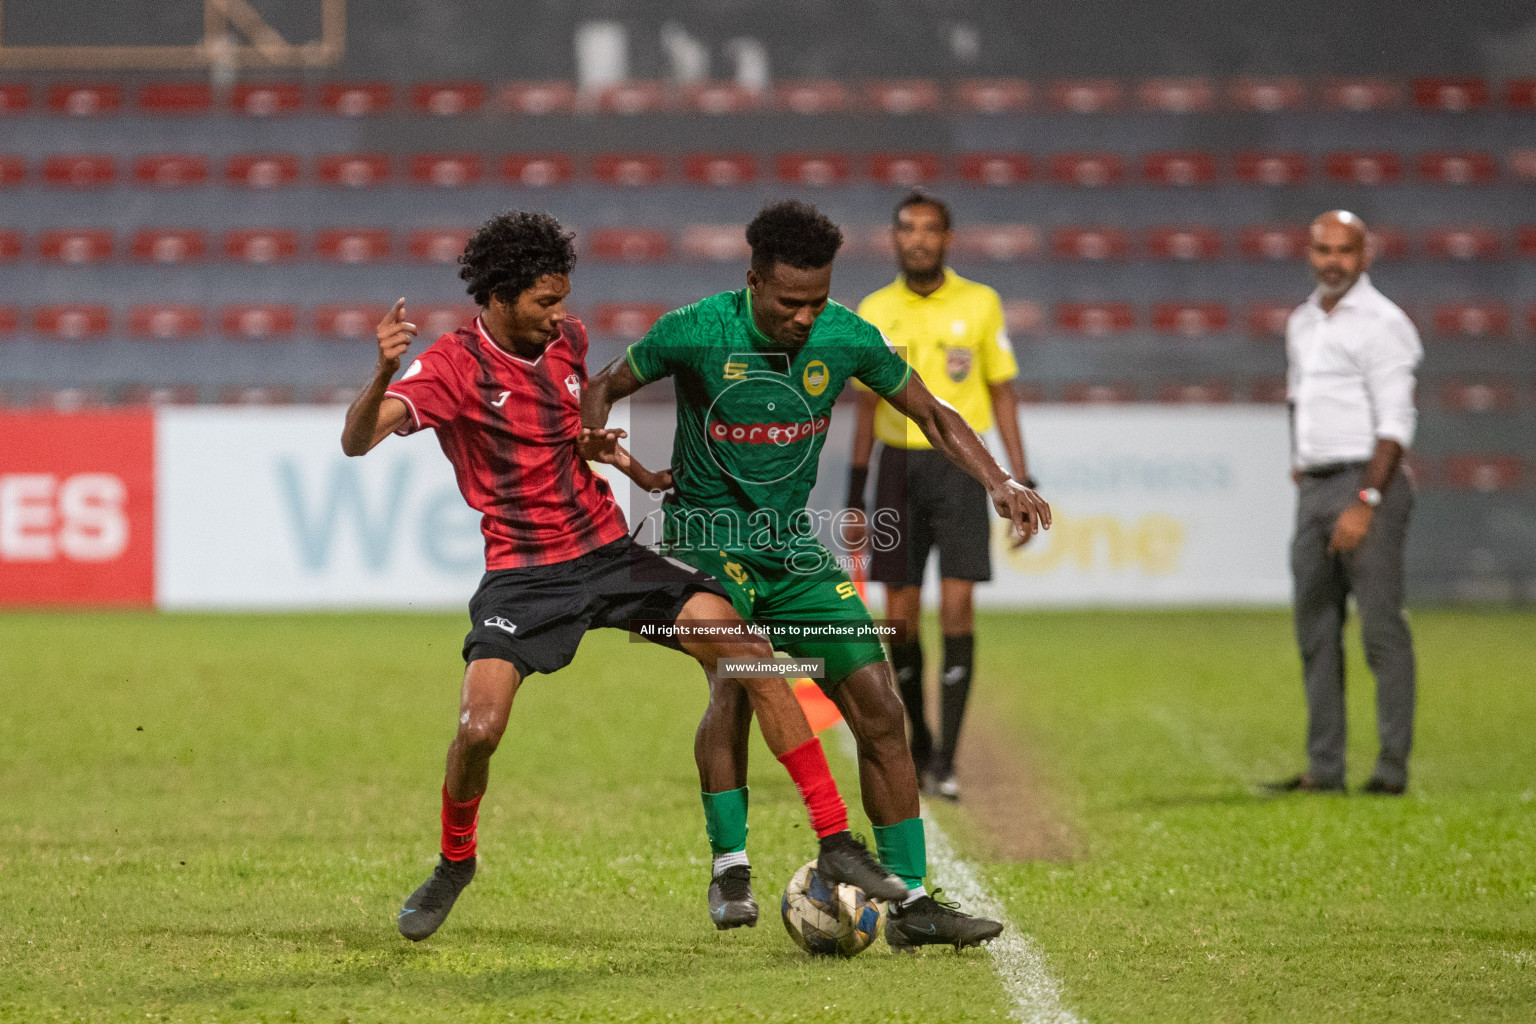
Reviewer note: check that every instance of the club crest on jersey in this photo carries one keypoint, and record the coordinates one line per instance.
(573, 385)
(768, 433)
(815, 377)
(957, 362)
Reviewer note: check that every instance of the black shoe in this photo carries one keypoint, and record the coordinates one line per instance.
(931, 921)
(427, 908)
(846, 860)
(1303, 783)
(730, 898)
(1376, 787)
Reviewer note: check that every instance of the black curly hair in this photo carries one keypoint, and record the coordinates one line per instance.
(793, 233)
(917, 197)
(511, 251)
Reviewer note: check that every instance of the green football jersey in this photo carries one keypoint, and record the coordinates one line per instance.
(752, 416)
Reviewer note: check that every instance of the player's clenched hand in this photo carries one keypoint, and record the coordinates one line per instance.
(1351, 528)
(1028, 512)
(394, 334)
(601, 444)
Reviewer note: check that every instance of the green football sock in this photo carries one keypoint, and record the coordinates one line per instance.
(725, 819)
(903, 850)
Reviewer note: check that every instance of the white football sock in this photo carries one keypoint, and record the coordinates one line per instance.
(913, 895)
(730, 860)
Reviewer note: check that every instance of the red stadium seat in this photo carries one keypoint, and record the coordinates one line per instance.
(1204, 392)
(1520, 94)
(1002, 243)
(262, 170)
(1254, 167)
(907, 96)
(436, 321)
(1185, 244)
(348, 322)
(1462, 396)
(904, 169)
(1359, 168)
(537, 99)
(993, 95)
(70, 399)
(1086, 95)
(721, 243)
(633, 98)
(256, 394)
(447, 170)
(1268, 390)
(816, 169)
(1116, 392)
(353, 170)
(629, 245)
(1090, 243)
(72, 322)
(720, 169)
(537, 170)
(1266, 95)
(1267, 319)
(1486, 473)
(165, 322)
(1095, 319)
(10, 316)
(625, 320)
(1463, 243)
(996, 169)
(719, 98)
(438, 245)
(168, 246)
(261, 246)
(1525, 241)
(171, 170)
(1450, 95)
(1362, 95)
(258, 322)
(1023, 316)
(76, 248)
(1472, 320)
(14, 98)
(159, 394)
(1274, 242)
(13, 171)
(1087, 170)
(80, 171)
(821, 97)
(1388, 243)
(1190, 319)
(1458, 168)
(266, 99)
(10, 246)
(176, 98)
(356, 99)
(352, 245)
(1522, 164)
(1177, 95)
(631, 170)
(447, 99)
(85, 100)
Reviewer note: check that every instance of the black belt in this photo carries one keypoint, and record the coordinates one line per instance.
(1329, 469)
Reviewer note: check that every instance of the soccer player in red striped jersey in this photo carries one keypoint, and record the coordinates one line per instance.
(503, 394)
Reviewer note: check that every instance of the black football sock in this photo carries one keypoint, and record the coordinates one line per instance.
(907, 659)
(954, 691)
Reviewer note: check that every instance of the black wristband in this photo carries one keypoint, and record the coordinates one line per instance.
(858, 477)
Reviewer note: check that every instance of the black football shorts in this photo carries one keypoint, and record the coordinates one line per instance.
(925, 501)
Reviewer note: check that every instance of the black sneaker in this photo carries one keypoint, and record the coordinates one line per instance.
(730, 898)
(932, 921)
(847, 860)
(427, 908)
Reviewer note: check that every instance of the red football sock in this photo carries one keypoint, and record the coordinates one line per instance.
(807, 765)
(459, 827)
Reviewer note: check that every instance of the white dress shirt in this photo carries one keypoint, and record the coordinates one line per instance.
(1350, 376)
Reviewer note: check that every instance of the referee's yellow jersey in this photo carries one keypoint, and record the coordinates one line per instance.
(954, 338)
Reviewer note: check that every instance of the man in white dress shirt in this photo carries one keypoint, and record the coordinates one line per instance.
(1351, 355)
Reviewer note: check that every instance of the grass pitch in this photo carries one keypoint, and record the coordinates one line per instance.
(206, 817)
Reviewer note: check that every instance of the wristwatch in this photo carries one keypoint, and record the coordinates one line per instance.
(1371, 496)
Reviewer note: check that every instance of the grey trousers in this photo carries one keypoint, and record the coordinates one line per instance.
(1373, 572)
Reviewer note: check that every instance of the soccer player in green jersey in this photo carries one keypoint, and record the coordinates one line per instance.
(757, 372)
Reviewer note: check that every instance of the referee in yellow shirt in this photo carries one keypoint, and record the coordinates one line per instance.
(952, 332)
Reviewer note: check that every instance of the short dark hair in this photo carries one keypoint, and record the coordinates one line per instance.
(511, 251)
(793, 233)
(917, 197)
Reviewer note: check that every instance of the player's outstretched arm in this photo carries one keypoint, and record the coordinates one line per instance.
(603, 446)
(615, 382)
(372, 417)
(948, 432)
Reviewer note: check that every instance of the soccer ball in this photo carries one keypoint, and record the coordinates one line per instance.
(826, 919)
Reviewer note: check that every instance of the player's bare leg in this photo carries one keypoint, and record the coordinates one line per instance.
(485, 703)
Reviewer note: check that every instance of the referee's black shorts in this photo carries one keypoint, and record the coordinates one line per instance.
(922, 501)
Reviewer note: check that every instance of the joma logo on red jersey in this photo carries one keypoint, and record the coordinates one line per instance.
(767, 433)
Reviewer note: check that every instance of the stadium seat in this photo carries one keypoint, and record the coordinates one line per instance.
(1486, 473)
(625, 320)
(1458, 168)
(995, 169)
(1090, 243)
(1190, 319)
(437, 245)
(71, 399)
(76, 248)
(167, 246)
(1256, 167)
(348, 322)
(1099, 393)
(907, 96)
(353, 170)
(326, 394)
(1095, 319)
(719, 98)
(820, 97)
(1359, 168)
(447, 99)
(13, 171)
(446, 170)
(1028, 392)
(159, 394)
(628, 245)
(1267, 390)
(816, 169)
(1450, 95)
(1086, 95)
(262, 170)
(629, 170)
(536, 99)
(1520, 94)
(1388, 244)
(1023, 316)
(10, 245)
(1184, 244)
(1274, 242)
(720, 170)
(69, 322)
(266, 99)
(1361, 95)
(633, 98)
(1471, 320)
(261, 246)
(1522, 164)
(1001, 243)
(1203, 392)
(537, 170)
(356, 99)
(993, 95)
(85, 100)
(258, 321)
(720, 243)
(1464, 244)
(10, 317)
(1177, 95)
(256, 394)
(434, 321)
(14, 98)
(171, 170)
(906, 170)
(1460, 396)
(1178, 168)
(1266, 320)
(1266, 95)
(352, 245)
(1525, 241)
(1087, 170)
(165, 322)
(176, 98)
(80, 170)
